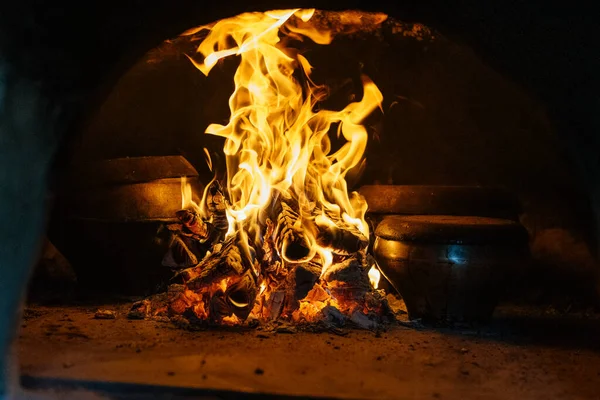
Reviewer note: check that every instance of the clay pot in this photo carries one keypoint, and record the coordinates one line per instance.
(106, 221)
(449, 268)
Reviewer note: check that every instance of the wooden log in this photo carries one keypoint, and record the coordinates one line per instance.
(275, 304)
(140, 309)
(289, 237)
(352, 270)
(215, 199)
(184, 252)
(192, 221)
(341, 238)
(180, 300)
(348, 281)
(241, 295)
(218, 265)
(218, 307)
(217, 208)
(305, 277)
(275, 273)
(270, 255)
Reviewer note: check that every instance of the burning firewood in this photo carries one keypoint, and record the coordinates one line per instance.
(290, 239)
(241, 296)
(282, 181)
(270, 257)
(351, 270)
(180, 299)
(275, 304)
(228, 261)
(217, 208)
(299, 282)
(219, 308)
(348, 280)
(140, 310)
(210, 229)
(306, 275)
(192, 221)
(317, 294)
(341, 238)
(183, 252)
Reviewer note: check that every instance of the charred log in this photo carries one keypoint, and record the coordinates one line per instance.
(348, 280)
(223, 286)
(241, 296)
(352, 270)
(306, 275)
(270, 256)
(275, 304)
(194, 223)
(181, 299)
(184, 252)
(140, 310)
(290, 240)
(219, 308)
(226, 262)
(217, 208)
(341, 238)
(215, 199)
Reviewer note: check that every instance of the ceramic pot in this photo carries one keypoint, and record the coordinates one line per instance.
(449, 268)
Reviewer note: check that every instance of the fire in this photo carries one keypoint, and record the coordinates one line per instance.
(276, 144)
(374, 276)
(285, 204)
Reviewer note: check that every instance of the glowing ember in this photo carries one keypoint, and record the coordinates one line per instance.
(284, 238)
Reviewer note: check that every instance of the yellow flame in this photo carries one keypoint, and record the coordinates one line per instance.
(276, 143)
(305, 15)
(374, 276)
(327, 258)
(208, 159)
(263, 287)
(187, 200)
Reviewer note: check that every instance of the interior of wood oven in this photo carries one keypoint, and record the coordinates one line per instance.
(447, 118)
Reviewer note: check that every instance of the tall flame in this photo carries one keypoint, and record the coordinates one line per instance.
(276, 143)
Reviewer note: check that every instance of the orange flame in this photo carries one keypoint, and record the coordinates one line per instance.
(276, 144)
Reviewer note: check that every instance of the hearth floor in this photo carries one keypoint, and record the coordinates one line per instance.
(526, 354)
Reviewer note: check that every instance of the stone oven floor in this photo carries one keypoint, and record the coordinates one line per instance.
(524, 354)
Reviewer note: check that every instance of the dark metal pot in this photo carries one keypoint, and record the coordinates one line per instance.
(448, 268)
(107, 220)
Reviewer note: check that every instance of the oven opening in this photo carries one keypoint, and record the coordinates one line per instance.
(294, 203)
